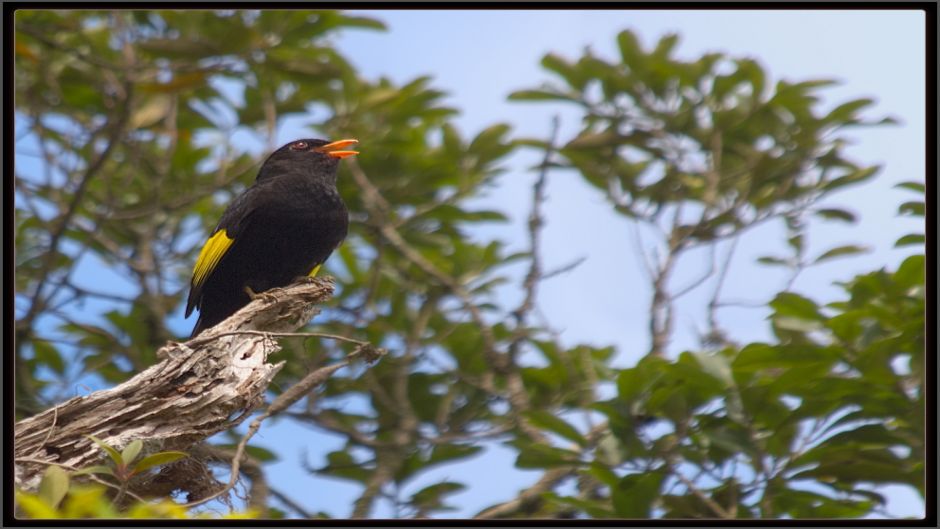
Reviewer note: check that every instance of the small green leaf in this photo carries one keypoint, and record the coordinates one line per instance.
(853, 177)
(539, 95)
(918, 187)
(836, 214)
(47, 354)
(790, 304)
(911, 238)
(550, 422)
(633, 497)
(773, 261)
(54, 485)
(543, 456)
(566, 70)
(839, 251)
(846, 111)
(912, 208)
(716, 366)
(131, 451)
(432, 495)
(630, 49)
(160, 458)
(115, 455)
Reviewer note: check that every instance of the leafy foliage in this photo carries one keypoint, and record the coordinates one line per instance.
(133, 114)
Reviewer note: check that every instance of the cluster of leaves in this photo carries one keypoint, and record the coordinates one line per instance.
(125, 463)
(805, 427)
(821, 418)
(57, 497)
(660, 130)
(133, 114)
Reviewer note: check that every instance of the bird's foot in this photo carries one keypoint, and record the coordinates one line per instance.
(255, 295)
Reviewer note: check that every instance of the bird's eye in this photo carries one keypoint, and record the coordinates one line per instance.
(299, 145)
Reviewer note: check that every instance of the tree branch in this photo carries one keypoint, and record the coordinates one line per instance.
(201, 387)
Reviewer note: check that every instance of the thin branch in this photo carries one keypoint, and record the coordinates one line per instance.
(527, 497)
(713, 304)
(564, 268)
(117, 130)
(712, 504)
(698, 282)
(535, 224)
(281, 403)
(293, 505)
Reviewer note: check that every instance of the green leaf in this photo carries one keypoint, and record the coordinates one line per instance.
(911, 272)
(846, 111)
(917, 187)
(130, 451)
(630, 49)
(452, 452)
(539, 95)
(115, 455)
(342, 465)
(911, 238)
(603, 474)
(836, 214)
(839, 251)
(717, 366)
(160, 458)
(852, 177)
(547, 421)
(536, 455)
(912, 208)
(54, 485)
(790, 304)
(432, 495)
(566, 70)
(770, 260)
(633, 497)
(47, 354)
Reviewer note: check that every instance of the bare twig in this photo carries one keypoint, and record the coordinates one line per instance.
(549, 480)
(293, 505)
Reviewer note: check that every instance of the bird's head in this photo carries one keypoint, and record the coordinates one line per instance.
(316, 156)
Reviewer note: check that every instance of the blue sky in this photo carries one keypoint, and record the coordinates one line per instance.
(479, 57)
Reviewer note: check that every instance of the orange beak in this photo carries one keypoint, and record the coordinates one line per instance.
(335, 149)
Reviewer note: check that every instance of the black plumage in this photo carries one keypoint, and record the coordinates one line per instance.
(281, 228)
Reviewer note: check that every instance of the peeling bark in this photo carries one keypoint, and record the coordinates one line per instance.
(201, 387)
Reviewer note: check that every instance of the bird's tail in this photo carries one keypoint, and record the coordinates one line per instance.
(200, 326)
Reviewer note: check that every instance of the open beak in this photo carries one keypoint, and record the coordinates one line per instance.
(335, 149)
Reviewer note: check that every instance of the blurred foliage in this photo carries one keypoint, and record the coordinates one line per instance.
(59, 498)
(131, 116)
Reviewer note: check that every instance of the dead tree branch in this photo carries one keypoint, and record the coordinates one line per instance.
(201, 387)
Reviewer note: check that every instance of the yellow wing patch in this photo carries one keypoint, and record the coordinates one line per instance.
(313, 273)
(210, 254)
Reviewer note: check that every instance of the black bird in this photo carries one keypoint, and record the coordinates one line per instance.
(282, 227)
